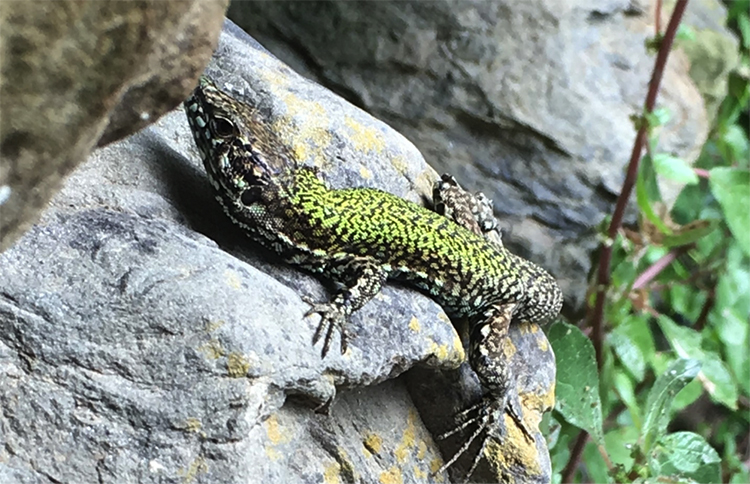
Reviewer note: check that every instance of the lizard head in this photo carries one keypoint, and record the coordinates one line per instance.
(233, 142)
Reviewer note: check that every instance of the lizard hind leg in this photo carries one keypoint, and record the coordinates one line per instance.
(490, 356)
(488, 415)
(473, 212)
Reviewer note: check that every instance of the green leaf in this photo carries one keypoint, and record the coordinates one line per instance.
(734, 332)
(690, 202)
(685, 299)
(623, 270)
(716, 380)
(560, 454)
(721, 386)
(735, 140)
(733, 289)
(659, 400)
(687, 396)
(577, 391)
(658, 117)
(731, 187)
(687, 343)
(646, 170)
(646, 191)
(685, 32)
(619, 443)
(690, 233)
(743, 24)
(674, 168)
(596, 468)
(632, 341)
(685, 455)
(732, 461)
(624, 387)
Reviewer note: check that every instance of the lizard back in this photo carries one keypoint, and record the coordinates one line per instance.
(290, 210)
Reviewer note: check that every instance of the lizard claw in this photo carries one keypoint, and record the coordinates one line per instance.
(513, 409)
(485, 419)
(331, 317)
(488, 417)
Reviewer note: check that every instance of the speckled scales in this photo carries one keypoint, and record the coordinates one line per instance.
(360, 237)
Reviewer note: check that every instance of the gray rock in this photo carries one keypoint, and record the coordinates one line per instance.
(529, 102)
(143, 338)
(80, 74)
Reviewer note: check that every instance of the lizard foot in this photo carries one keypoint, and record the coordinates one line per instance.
(332, 317)
(489, 420)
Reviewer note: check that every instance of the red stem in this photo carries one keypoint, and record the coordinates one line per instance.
(605, 257)
(658, 266)
(702, 173)
(575, 457)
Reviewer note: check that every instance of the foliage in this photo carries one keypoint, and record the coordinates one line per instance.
(668, 399)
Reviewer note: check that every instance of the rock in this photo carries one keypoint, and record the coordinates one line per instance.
(144, 338)
(529, 102)
(80, 74)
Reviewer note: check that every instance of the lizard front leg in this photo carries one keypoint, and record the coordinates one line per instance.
(361, 278)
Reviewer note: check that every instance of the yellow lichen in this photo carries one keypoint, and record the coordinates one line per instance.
(365, 172)
(419, 473)
(331, 473)
(440, 351)
(408, 440)
(365, 138)
(373, 443)
(272, 453)
(213, 326)
(191, 424)
(435, 465)
(399, 163)
(421, 449)
(273, 431)
(391, 476)
(233, 280)
(509, 349)
(212, 349)
(237, 365)
(198, 466)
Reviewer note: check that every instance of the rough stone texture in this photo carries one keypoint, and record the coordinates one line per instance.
(143, 338)
(527, 101)
(713, 52)
(440, 395)
(78, 74)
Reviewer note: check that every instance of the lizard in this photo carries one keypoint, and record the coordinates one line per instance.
(361, 237)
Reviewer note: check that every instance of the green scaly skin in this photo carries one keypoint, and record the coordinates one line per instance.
(360, 237)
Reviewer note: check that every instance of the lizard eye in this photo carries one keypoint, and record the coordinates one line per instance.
(223, 127)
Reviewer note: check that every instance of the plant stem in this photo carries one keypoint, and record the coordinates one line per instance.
(605, 257)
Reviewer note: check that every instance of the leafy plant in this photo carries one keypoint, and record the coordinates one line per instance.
(660, 390)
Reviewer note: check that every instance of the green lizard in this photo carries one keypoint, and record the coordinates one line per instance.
(361, 237)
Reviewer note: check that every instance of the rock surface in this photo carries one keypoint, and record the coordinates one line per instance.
(527, 101)
(144, 339)
(75, 75)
